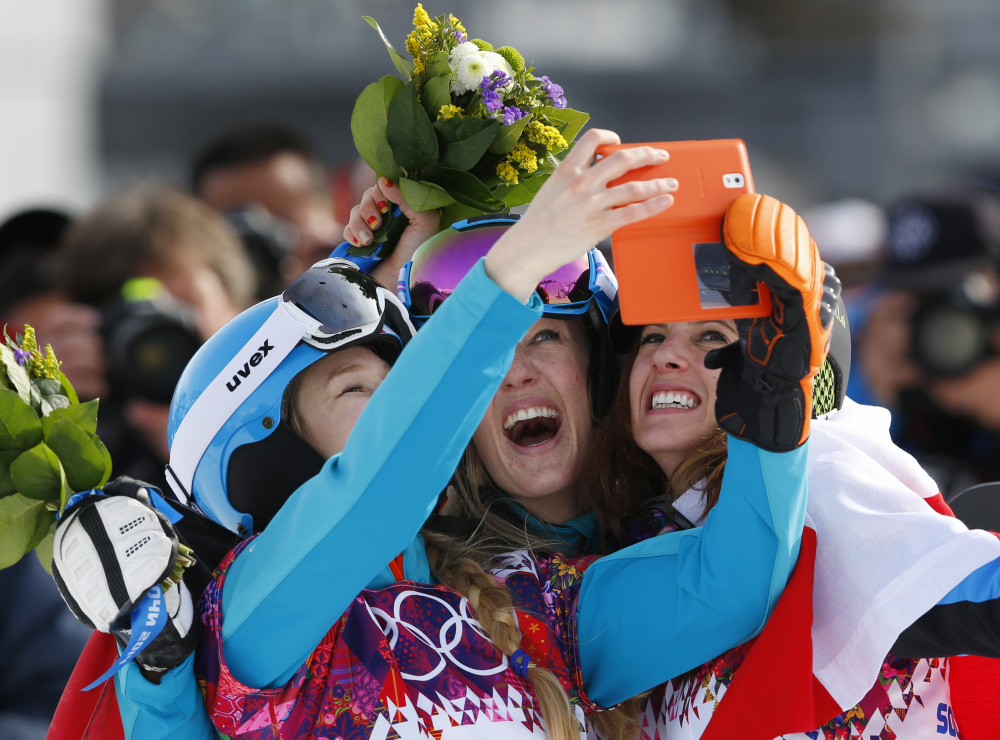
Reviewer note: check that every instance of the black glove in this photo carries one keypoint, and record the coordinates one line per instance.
(765, 389)
(108, 552)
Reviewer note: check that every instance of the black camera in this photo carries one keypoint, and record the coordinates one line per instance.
(945, 249)
(951, 334)
(149, 338)
(268, 241)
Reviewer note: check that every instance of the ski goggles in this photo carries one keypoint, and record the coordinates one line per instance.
(440, 263)
(339, 305)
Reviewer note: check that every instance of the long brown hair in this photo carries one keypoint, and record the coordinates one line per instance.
(622, 479)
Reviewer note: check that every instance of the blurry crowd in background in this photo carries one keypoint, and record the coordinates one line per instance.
(207, 161)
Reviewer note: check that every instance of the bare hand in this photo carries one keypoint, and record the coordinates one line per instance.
(884, 349)
(575, 209)
(367, 216)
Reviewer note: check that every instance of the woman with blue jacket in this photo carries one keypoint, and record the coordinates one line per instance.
(341, 618)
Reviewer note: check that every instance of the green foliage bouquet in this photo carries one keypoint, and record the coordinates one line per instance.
(49, 448)
(468, 128)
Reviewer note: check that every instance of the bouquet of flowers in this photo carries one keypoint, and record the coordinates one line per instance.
(468, 128)
(49, 448)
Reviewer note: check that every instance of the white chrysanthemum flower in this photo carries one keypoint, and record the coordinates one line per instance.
(466, 47)
(470, 72)
(500, 63)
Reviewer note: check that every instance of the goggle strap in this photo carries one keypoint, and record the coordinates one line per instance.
(250, 367)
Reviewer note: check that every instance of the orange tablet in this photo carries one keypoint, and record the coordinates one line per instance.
(672, 267)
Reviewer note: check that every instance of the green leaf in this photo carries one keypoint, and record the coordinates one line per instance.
(50, 395)
(17, 375)
(457, 212)
(466, 189)
(464, 140)
(81, 454)
(523, 192)
(23, 524)
(424, 196)
(38, 474)
(19, 425)
(437, 92)
(403, 64)
(68, 390)
(6, 485)
(409, 130)
(569, 122)
(43, 550)
(83, 415)
(436, 65)
(368, 126)
(506, 138)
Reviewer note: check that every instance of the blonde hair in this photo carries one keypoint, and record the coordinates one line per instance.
(152, 225)
(457, 566)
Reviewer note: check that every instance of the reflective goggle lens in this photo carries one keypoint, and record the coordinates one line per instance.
(342, 299)
(440, 264)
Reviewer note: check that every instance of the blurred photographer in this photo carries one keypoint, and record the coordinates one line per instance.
(164, 272)
(272, 166)
(930, 349)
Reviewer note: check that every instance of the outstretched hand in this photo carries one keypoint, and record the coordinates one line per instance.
(575, 209)
(367, 216)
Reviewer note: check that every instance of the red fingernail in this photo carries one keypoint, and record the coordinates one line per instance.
(372, 220)
(383, 206)
(388, 182)
(355, 241)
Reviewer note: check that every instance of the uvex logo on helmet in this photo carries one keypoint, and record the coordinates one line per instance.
(254, 361)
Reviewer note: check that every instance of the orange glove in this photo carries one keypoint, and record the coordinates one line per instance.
(765, 389)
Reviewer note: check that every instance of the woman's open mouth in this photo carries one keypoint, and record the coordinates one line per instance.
(532, 426)
(674, 400)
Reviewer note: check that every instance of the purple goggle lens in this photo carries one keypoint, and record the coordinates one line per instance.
(439, 265)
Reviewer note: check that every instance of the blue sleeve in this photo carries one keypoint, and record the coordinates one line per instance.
(663, 606)
(367, 504)
(966, 621)
(172, 708)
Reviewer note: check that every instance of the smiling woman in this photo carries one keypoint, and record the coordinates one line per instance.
(672, 392)
(538, 430)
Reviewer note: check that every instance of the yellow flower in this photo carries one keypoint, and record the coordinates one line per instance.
(524, 157)
(50, 366)
(29, 344)
(420, 17)
(547, 136)
(418, 67)
(413, 43)
(449, 111)
(456, 24)
(507, 173)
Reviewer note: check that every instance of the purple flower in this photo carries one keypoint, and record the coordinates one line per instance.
(491, 98)
(21, 356)
(553, 92)
(460, 37)
(498, 79)
(511, 114)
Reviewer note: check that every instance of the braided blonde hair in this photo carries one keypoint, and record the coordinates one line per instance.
(457, 566)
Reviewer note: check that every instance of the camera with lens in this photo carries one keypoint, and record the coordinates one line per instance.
(149, 338)
(945, 250)
(951, 333)
(268, 241)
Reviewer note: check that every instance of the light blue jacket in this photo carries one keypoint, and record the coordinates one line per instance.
(646, 614)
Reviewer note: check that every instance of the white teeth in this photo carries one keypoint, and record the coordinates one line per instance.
(673, 400)
(532, 413)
